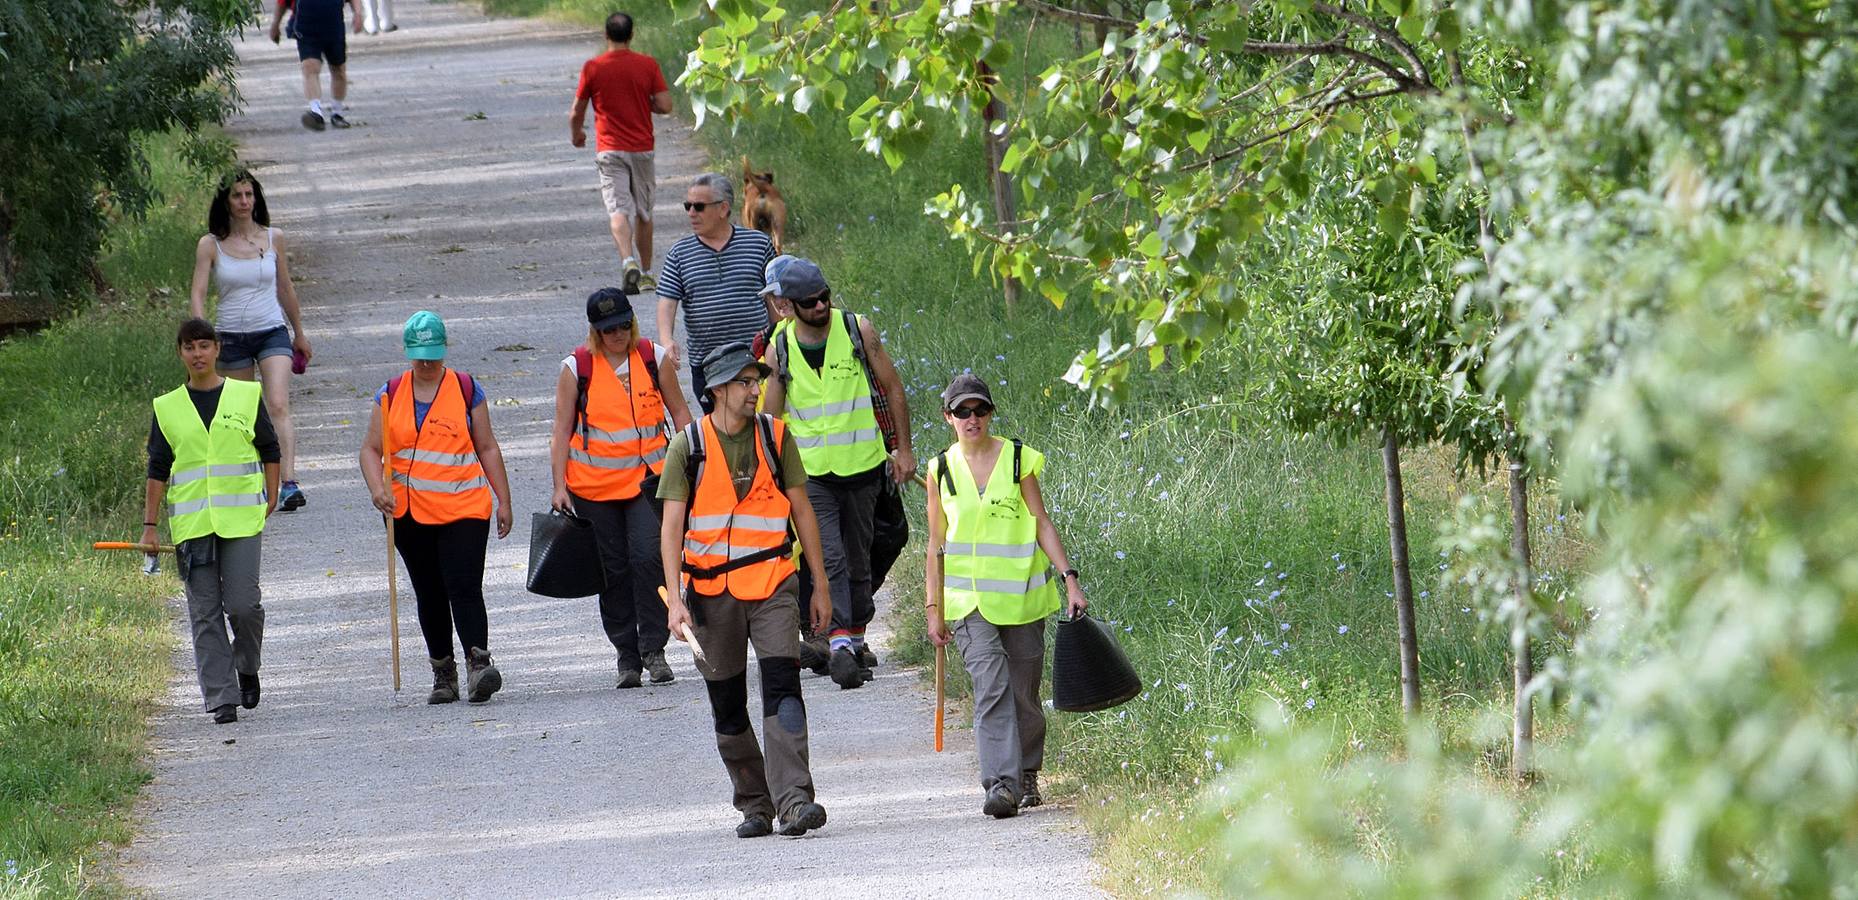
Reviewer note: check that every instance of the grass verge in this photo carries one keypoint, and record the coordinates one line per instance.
(1237, 565)
(84, 640)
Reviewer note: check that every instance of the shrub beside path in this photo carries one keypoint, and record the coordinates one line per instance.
(457, 191)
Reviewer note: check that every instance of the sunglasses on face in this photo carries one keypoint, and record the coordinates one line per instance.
(810, 302)
(699, 206)
(615, 329)
(963, 412)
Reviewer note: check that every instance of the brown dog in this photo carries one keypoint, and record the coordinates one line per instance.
(763, 207)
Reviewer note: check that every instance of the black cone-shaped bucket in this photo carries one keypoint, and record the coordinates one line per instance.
(1089, 669)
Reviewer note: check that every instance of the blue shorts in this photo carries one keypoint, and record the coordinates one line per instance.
(243, 349)
(322, 42)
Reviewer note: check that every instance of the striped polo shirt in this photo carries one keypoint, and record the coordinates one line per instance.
(719, 289)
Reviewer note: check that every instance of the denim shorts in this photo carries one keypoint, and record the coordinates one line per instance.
(243, 349)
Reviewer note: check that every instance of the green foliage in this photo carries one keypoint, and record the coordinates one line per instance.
(85, 86)
(84, 638)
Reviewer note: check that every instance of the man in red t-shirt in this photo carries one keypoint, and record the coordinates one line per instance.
(625, 89)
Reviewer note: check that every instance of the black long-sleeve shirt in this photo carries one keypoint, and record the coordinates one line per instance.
(161, 453)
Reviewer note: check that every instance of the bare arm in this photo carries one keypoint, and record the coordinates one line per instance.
(151, 509)
(371, 464)
(671, 555)
(661, 103)
(673, 391)
(667, 332)
(1048, 540)
(567, 391)
(773, 393)
(490, 456)
(355, 7)
(203, 271)
(577, 122)
(903, 465)
(287, 296)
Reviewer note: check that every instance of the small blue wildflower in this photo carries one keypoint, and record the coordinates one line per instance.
(1310, 703)
(1268, 564)
(1341, 629)
(1275, 595)
(1282, 575)
(1121, 555)
(1221, 633)
(1283, 626)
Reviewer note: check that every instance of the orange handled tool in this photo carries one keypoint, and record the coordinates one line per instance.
(128, 545)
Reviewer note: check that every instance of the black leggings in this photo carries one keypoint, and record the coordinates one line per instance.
(446, 565)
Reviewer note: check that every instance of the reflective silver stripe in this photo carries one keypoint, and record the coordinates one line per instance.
(224, 470)
(838, 408)
(998, 551)
(440, 487)
(609, 462)
(718, 549)
(436, 458)
(843, 438)
(620, 436)
(187, 507)
(995, 585)
(745, 523)
(656, 455)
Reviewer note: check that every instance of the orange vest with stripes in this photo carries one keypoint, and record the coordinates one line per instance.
(622, 439)
(721, 528)
(436, 472)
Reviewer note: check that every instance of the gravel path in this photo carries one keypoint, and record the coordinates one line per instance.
(457, 191)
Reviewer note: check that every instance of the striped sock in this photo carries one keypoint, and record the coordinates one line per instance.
(842, 641)
(857, 638)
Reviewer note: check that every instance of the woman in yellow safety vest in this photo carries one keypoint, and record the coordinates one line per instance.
(992, 550)
(612, 400)
(432, 424)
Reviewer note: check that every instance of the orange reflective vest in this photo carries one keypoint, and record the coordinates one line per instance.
(622, 437)
(739, 546)
(435, 467)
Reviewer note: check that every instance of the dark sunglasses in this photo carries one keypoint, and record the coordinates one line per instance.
(699, 207)
(615, 329)
(963, 412)
(824, 298)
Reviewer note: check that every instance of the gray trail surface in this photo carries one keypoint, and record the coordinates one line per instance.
(561, 785)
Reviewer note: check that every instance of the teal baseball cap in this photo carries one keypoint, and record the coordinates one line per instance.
(424, 336)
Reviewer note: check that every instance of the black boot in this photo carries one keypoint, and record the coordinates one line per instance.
(444, 681)
(248, 690)
(225, 715)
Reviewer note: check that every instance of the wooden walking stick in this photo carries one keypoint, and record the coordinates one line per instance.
(941, 658)
(689, 636)
(393, 581)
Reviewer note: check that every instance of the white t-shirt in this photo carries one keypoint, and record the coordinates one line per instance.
(247, 290)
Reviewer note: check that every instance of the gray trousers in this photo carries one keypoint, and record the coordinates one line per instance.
(1005, 662)
(223, 590)
(784, 778)
(845, 529)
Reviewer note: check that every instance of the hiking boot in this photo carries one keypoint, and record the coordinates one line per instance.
(248, 690)
(865, 657)
(802, 819)
(312, 120)
(1029, 789)
(660, 670)
(814, 655)
(225, 715)
(444, 681)
(336, 120)
(754, 825)
(632, 276)
(1001, 804)
(846, 673)
(290, 497)
(628, 677)
(481, 677)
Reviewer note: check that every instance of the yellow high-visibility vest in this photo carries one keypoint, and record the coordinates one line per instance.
(217, 483)
(991, 558)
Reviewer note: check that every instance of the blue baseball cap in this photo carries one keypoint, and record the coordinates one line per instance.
(792, 277)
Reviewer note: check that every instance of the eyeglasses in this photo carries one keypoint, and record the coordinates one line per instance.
(747, 381)
(700, 206)
(979, 409)
(615, 329)
(825, 298)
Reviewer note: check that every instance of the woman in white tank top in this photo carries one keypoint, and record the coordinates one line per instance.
(258, 315)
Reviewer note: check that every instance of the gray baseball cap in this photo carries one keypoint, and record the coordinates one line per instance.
(728, 361)
(965, 387)
(791, 277)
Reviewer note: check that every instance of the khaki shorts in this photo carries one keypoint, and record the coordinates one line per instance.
(626, 181)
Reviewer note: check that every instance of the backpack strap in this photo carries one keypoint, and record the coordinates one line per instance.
(393, 386)
(649, 356)
(764, 425)
(943, 479)
(693, 468)
(583, 375)
(777, 341)
(1016, 446)
(468, 386)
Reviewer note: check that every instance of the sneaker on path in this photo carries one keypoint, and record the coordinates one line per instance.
(646, 281)
(312, 120)
(628, 677)
(444, 681)
(814, 654)
(802, 819)
(660, 670)
(337, 120)
(754, 825)
(290, 496)
(632, 276)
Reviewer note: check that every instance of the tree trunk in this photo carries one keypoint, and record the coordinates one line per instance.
(1522, 663)
(1006, 207)
(1402, 574)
